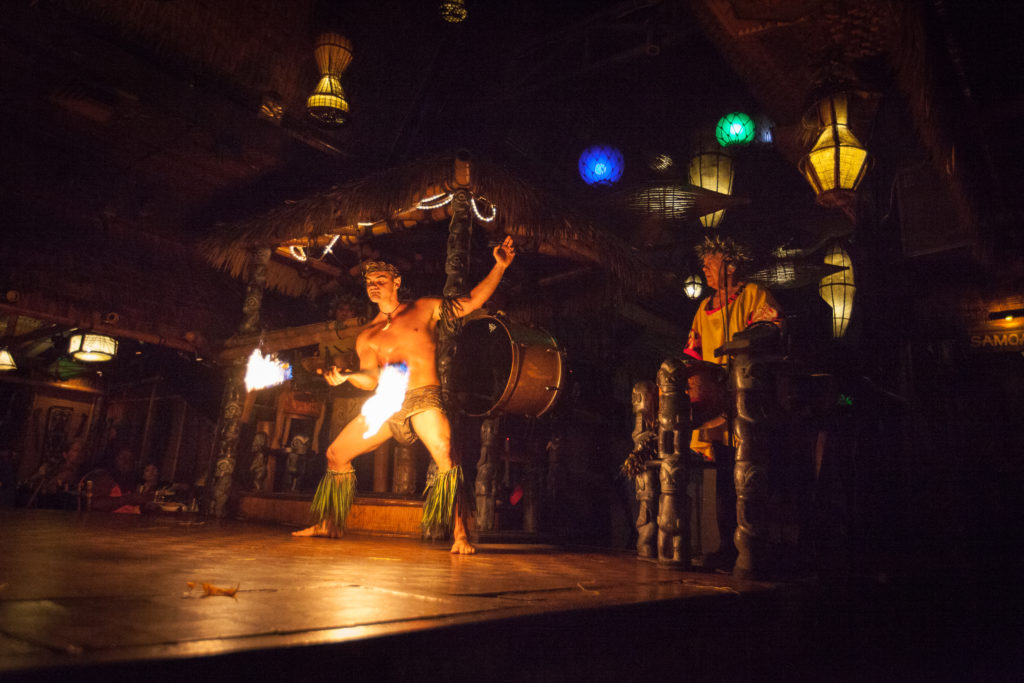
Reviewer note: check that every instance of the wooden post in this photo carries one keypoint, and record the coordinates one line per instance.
(757, 417)
(487, 473)
(456, 267)
(673, 446)
(233, 400)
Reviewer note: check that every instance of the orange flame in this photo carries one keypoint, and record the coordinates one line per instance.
(265, 371)
(388, 398)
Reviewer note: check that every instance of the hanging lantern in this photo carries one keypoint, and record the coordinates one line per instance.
(735, 129)
(601, 165)
(693, 286)
(7, 361)
(836, 164)
(711, 169)
(92, 347)
(667, 202)
(327, 104)
(837, 289)
(453, 11)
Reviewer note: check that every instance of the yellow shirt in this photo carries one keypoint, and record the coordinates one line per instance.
(750, 304)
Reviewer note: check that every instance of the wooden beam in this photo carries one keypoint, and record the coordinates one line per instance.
(272, 341)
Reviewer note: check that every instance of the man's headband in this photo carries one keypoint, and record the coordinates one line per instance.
(379, 267)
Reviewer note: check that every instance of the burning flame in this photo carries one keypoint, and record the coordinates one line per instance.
(265, 371)
(388, 398)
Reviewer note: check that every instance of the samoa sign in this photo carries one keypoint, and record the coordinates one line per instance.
(997, 340)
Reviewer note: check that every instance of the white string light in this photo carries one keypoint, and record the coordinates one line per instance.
(479, 217)
(330, 246)
(298, 253)
(435, 202)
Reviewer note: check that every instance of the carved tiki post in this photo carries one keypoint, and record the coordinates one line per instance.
(405, 470)
(234, 389)
(487, 473)
(753, 428)
(456, 268)
(646, 480)
(673, 444)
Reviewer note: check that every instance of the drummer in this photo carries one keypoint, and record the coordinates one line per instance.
(402, 335)
(734, 306)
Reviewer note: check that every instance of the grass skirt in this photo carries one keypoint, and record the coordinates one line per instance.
(334, 497)
(446, 497)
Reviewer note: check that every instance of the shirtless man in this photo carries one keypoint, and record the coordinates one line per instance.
(401, 333)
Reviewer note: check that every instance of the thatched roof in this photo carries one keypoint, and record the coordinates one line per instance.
(539, 220)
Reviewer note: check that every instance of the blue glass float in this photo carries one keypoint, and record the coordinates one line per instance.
(601, 165)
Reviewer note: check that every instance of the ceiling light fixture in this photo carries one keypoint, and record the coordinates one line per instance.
(92, 347)
(328, 104)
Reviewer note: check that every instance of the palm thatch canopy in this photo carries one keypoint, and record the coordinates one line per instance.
(386, 203)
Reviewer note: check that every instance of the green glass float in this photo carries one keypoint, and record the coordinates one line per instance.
(735, 129)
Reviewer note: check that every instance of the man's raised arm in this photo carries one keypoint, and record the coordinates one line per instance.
(504, 253)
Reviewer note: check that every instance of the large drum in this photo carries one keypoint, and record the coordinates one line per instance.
(504, 368)
(706, 385)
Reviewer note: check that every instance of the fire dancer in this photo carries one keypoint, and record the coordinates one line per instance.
(402, 334)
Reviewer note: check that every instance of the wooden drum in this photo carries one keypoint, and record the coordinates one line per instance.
(505, 368)
(706, 386)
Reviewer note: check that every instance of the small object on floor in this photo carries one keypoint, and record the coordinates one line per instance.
(209, 589)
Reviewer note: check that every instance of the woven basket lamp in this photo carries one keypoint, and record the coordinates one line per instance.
(838, 290)
(711, 169)
(836, 164)
(327, 104)
(92, 347)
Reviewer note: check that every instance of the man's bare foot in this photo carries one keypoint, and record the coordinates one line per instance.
(463, 547)
(322, 530)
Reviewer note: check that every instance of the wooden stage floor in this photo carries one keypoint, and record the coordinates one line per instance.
(100, 596)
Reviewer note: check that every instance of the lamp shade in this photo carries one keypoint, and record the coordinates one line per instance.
(838, 290)
(711, 168)
(601, 165)
(837, 162)
(453, 11)
(92, 347)
(735, 128)
(693, 286)
(328, 104)
(7, 361)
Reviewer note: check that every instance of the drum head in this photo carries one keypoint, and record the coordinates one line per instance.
(481, 365)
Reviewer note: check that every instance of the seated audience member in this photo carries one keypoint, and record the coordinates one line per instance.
(57, 476)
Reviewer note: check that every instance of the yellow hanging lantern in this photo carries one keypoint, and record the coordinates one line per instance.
(836, 164)
(328, 104)
(838, 290)
(711, 169)
(7, 361)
